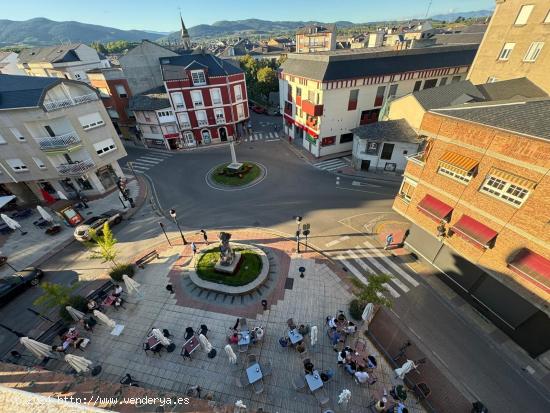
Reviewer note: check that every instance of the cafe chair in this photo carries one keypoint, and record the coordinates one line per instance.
(166, 333)
(291, 324)
(129, 381)
(321, 396)
(258, 386)
(243, 324)
(422, 391)
(299, 383)
(267, 368)
(252, 359)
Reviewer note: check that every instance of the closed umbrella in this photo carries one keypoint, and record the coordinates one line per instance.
(313, 335)
(368, 314)
(74, 313)
(40, 350)
(61, 195)
(132, 286)
(160, 337)
(104, 319)
(44, 214)
(404, 369)
(344, 397)
(231, 354)
(12, 223)
(80, 364)
(205, 344)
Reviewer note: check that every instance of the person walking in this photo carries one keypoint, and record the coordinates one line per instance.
(194, 248)
(389, 241)
(204, 236)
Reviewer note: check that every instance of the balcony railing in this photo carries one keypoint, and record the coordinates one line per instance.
(185, 125)
(73, 101)
(202, 122)
(56, 143)
(77, 168)
(220, 121)
(418, 158)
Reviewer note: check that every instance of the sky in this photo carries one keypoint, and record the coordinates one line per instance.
(162, 15)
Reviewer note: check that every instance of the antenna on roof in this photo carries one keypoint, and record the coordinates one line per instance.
(429, 7)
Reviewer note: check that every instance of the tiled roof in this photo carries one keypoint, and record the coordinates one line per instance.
(52, 54)
(443, 96)
(338, 66)
(23, 91)
(390, 130)
(511, 89)
(458, 38)
(153, 99)
(525, 117)
(173, 67)
(320, 28)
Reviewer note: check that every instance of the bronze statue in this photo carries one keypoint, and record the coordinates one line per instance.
(226, 253)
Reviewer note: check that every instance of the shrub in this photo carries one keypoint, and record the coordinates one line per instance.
(118, 271)
(77, 302)
(356, 308)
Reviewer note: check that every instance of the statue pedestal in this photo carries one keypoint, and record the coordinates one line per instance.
(229, 269)
(234, 166)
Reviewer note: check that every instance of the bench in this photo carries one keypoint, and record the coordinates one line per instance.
(146, 258)
(100, 293)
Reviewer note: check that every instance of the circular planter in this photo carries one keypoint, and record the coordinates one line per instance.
(235, 182)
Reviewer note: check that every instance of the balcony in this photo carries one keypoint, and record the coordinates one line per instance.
(312, 122)
(220, 121)
(66, 103)
(59, 142)
(418, 158)
(202, 122)
(311, 109)
(77, 168)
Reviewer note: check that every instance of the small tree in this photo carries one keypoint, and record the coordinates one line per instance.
(104, 245)
(375, 291)
(54, 294)
(267, 80)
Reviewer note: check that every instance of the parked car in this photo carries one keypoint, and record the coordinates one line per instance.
(82, 232)
(14, 284)
(258, 109)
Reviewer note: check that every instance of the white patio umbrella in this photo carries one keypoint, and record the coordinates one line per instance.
(368, 314)
(231, 354)
(132, 286)
(80, 364)
(40, 350)
(74, 313)
(104, 319)
(205, 344)
(404, 369)
(344, 397)
(44, 214)
(12, 223)
(160, 337)
(61, 195)
(313, 335)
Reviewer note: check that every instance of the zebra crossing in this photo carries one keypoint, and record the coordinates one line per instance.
(367, 259)
(262, 136)
(146, 162)
(332, 164)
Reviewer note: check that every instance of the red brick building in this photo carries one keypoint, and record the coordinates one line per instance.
(208, 96)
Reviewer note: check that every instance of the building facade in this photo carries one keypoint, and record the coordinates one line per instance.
(8, 64)
(478, 199)
(516, 44)
(65, 61)
(208, 96)
(326, 95)
(316, 38)
(115, 94)
(55, 134)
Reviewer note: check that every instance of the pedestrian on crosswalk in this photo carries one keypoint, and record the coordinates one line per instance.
(389, 241)
(193, 248)
(204, 236)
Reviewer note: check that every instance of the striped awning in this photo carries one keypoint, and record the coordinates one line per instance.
(458, 163)
(512, 178)
(533, 267)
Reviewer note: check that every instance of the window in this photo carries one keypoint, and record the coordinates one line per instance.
(407, 189)
(220, 116)
(352, 101)
(289, 94)
(428, 84)
(240, 111)
(239, 92)
(393, 91)
(188, 138)
(456, 79)
(198, 77)
(524, 14)
(369, 116)
(196, 96)
(155, 129)
(380, 92)
(201, 117)
(443, 81)
(2, 140)
(346, 137)
(19, 136)
(509, 192)
(533, 52)
(506, 51)
(105, 146)
(91, 121)
(417, 85)
(183, 119)
(216, 96)
(387, 151)
(312, 96)
(121, 91)
(463, 178)
(177, 99)
(170, 129)
(146, 117)
(17, 165)
(329, 140)
(77, 76)
(39, 163)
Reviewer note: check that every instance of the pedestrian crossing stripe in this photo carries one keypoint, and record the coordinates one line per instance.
(382, 270)
(152, 158)
(147, 161)
(331, 164)
(392, 264)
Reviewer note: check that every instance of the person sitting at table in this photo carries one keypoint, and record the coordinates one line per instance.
(371, 362)
(335, 337)
(361, 375)
(400, 408)
(118, 290)
(63, 347)
(331, 322)
(326, 375)
(203, 330)
(259, 332)
(351, 328)
(189, 332)
(93, 305)
(304, 329)
(350, 367)
(344, 355)
(234, 338)
(341, 317)
(381, 405)
(88, 323)
(284, 341)
(301, 347)
(308, 366)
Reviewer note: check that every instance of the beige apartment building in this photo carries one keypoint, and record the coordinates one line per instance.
(316, 38)
(516, 44)
(55, 134)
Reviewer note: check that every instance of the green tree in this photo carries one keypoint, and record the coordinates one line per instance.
(104, 245)
(117, 46)
(375, 292)
(281, 60)
(250, 67)
(99, 47)
(267, 80)
(54, 295)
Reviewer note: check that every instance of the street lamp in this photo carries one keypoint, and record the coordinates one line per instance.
(173, 215)
(298, 220)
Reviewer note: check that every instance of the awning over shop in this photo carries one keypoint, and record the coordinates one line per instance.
(473, 230)
(533, 267)
(458, 163)
(434, 208)
(514, 179)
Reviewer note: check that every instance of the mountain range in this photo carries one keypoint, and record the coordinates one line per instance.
(451, 17)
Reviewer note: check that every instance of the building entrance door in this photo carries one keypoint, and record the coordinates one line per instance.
(365, 164)
(223, 134)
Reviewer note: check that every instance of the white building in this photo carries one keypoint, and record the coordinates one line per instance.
(8, 64)
(55, 134)
(326, 95)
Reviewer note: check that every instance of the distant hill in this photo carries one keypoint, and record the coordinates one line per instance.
(41, 31)
(451, 17)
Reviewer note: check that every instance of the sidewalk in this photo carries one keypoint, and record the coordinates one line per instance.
(31, 249)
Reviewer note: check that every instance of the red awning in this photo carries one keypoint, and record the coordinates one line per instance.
(434, 208)
(473, 230)
(533, 267)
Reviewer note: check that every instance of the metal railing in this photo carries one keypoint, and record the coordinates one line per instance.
(77, 168)
(418, 158)
(52, 143)
(73, 101)
(220, 121)
(202, 122)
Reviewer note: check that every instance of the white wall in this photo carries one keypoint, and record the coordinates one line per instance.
(400, 151)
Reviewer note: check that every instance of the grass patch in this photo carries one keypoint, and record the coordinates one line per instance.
(236, 180)
(249, 268)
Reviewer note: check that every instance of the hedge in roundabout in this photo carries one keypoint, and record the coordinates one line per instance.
(248, 173)
(248, 270)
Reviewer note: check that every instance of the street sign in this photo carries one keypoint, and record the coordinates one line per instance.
(306, 232)
(306, 227)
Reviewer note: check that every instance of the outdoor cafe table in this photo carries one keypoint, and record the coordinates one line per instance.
(314, 381)
(244, 337)
(152, 342)
(254, 373)
(294, 336)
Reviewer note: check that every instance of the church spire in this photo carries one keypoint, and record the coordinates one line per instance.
(184, 36)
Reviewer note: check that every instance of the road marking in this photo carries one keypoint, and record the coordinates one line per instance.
(354, 270)
(360, 190)
(152, 158)
(140, 168)
(392, 264)
(336, 241)
(409, 265)
(440, 359)
(414, 332)
(395, 314)
(272, 140)
(147, 161)
(357, 183)
(381, 268)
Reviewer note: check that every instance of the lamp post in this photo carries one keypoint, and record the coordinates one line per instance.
(173, 215)
(306, 232)
(298, 220)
